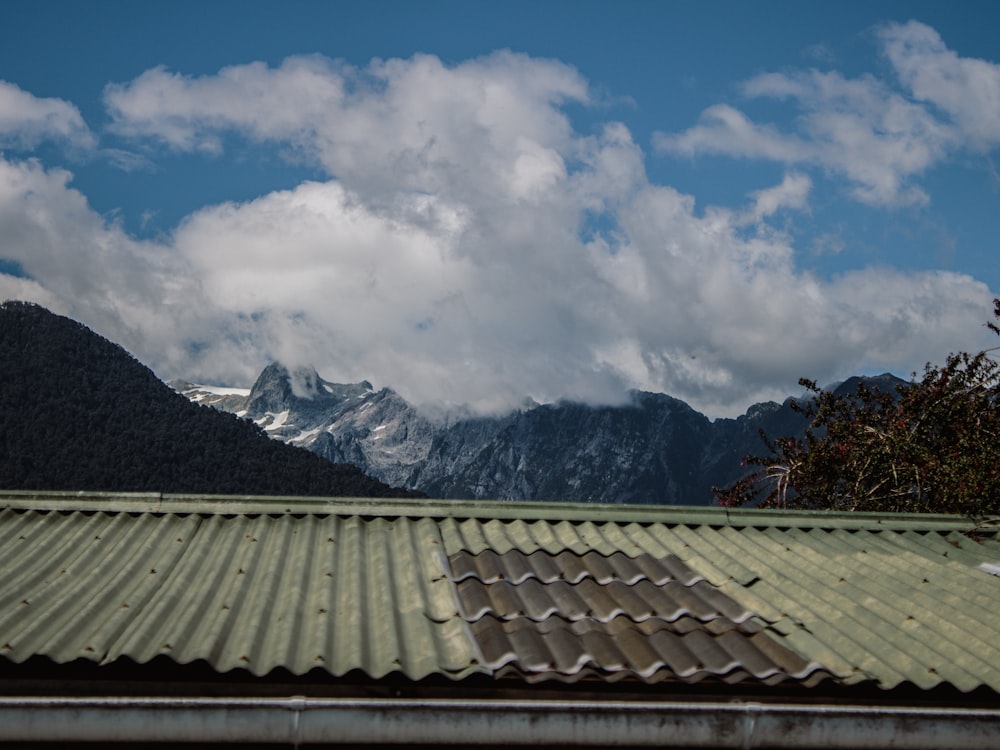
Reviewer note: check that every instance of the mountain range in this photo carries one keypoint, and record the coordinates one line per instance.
(78, 412)
(655, 449)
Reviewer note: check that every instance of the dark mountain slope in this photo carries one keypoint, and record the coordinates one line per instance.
(78, 412)
(647, 452)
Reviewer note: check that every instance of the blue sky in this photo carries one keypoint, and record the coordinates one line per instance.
(474, 203)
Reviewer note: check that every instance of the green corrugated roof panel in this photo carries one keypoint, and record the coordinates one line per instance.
(240, 592)
(342, 585)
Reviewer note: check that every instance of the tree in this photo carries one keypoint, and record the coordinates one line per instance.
(932, 445)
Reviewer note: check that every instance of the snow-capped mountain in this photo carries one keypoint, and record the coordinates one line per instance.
(656, 449)
(372, 428)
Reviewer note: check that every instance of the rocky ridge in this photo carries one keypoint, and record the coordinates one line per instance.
(655, 449)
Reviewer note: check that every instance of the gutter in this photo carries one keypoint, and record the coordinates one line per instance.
(299, 720)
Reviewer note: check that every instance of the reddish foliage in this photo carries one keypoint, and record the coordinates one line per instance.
(933, 446)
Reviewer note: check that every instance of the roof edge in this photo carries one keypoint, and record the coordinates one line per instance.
(299, 719)
(690, 515)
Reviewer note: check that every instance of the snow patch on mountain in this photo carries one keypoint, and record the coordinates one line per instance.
(271, 421)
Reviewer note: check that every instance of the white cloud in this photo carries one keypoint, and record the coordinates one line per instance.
(465, 301)
(17, 288)
(880, 139)
(78, 263)
(685, 305)
(468, 246)
(26, 120)
(859, 129)
(967, 89)
(414, 124)
(725, 130)
(188, 114)
(792, 193)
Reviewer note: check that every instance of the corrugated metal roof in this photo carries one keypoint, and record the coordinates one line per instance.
(536, 592)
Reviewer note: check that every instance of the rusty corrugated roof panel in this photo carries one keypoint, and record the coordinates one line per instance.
(614, 617)
(516, 567)
(537, 592)
(606, 592)
(650, 652)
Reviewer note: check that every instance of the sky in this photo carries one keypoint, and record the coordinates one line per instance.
(477, 203)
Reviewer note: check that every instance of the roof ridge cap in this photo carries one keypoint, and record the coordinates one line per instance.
(500, 510)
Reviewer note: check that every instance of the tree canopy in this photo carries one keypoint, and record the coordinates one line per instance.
(929, 445)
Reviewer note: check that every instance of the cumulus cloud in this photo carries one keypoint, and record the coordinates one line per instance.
(967, 89)
(486, 125)
(875, 138)
(474, 301)
(26, 120)
(80, 264)
(467, 246)
(879, 138)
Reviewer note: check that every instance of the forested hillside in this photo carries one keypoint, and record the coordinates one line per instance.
(77, 412)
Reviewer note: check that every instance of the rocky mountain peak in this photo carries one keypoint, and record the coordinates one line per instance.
(272, 391)
(301, 391)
